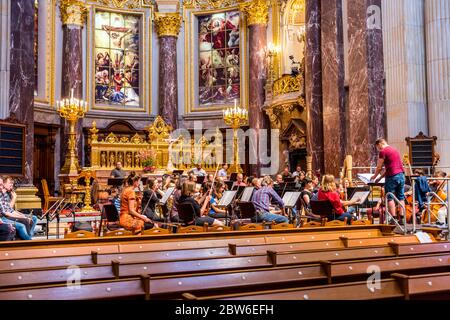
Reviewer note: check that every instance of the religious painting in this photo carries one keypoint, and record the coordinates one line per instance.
(219, 58)
(117, 59)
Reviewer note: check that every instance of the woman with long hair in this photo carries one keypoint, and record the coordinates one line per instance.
(130, 219)
(328, 192)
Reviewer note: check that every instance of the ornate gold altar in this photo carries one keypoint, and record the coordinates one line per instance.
(171, 153)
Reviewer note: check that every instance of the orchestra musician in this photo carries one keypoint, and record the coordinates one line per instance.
(223, 172)
(328, 192)
(198, 170)
(239, 181)
(187, 190)
(389, 157)
(215, 211)
(130, 219)
(262, 199)
(150, 198)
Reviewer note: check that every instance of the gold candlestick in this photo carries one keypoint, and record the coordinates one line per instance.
(71, 109)
(87, 174)
(235, 118)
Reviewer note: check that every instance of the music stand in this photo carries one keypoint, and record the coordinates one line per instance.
(246, 195)
(247, 210)
(289, 179)
(239, 190)
(226, 201)
(177, 172)
(233, 176)
(166, 195)
(115, 182)
(290, 200)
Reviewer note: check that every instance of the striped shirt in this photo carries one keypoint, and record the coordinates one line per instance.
(263, 197)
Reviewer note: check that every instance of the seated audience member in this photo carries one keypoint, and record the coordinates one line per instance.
(24, 225)
(223, 172)
(215, 211)
(198, 171)
(239, 181)
(118, 171)
(328, 192)
(285, 173)
(151, 197)
(7, 231)
(262, 199)
(187, 190)
(130, 219)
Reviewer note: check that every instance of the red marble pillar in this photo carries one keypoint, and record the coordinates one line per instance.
(167, 27)
(73, 18)
(333, 90)
(21, 90)
(366, 88)
(313, 85)
(257, 18)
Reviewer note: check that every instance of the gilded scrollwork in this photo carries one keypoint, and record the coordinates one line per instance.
(120, 4)
(209, 4)
(287, 84)
(159, 129)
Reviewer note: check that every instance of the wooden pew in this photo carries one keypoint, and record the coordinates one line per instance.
(136, 253)
(390, 289)
(358, 268)
(424, 284)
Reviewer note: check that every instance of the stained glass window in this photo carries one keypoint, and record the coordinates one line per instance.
(117, 59)
(219, 58)
(35, 47)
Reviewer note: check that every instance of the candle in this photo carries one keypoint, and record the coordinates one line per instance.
(71, 93)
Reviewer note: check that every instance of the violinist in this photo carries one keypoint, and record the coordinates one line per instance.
(215, 211)
(130, 219)
(150, 198)
(239, 181)
(431, 215)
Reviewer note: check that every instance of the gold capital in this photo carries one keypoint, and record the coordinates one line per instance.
(257, 11)
(167, 23)
(73, 12)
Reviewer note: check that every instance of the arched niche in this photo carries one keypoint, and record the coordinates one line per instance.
(292, 30)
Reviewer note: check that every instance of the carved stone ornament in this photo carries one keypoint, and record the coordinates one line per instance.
(297, 141)
(167, 24)
(257, 11)
(73, 12)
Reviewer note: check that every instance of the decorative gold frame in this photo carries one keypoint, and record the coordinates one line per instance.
(49, 67)
(190, 70)
(145, 72)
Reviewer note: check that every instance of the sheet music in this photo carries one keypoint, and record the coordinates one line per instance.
(362, 195)
(247, 194)
(166, 196)
(423, 237)
(365, 177)
(290, 199)
(227, 198)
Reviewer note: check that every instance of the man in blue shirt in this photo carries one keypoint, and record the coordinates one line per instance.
(262, 199)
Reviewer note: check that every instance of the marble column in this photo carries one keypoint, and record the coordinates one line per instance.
(167, 27)
(333, 83)
(73, 15)
(437, 28)
(4, 57)
(257, 19)
(313, 85)
(366, 96)
(405, 69)
(21, 90)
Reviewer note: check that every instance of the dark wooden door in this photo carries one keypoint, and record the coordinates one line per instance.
(44, 156)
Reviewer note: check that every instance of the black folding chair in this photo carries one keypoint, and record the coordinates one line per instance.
(322, 208)
(111, 215)
(186, 213)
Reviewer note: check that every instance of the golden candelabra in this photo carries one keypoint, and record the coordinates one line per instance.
(235, 118)
(71, 109)
(87, 173)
